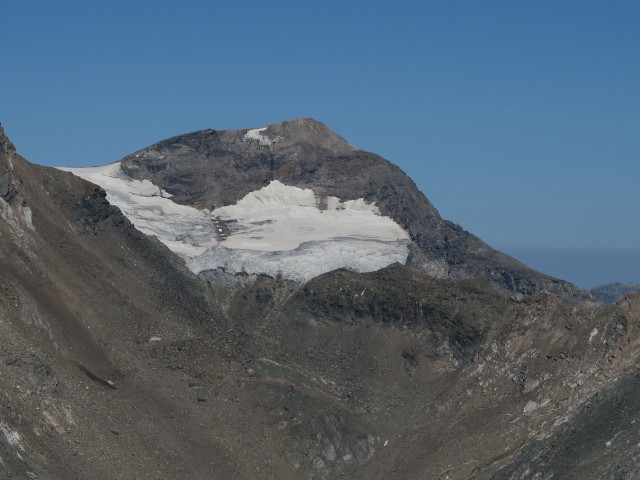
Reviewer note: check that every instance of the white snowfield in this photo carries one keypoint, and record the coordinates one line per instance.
(256, 134)
(278, 230)
(187, 231)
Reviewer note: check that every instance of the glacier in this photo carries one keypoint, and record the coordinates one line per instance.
(279, 230)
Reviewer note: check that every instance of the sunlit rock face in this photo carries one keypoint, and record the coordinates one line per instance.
(278, 230)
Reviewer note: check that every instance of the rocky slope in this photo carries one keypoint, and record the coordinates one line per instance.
(118, 362)
(81, 294)
(212, 170)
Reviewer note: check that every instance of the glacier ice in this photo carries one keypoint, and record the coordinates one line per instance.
(278, 230)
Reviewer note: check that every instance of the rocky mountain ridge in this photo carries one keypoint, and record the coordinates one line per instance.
(209, 170)
(118, 362)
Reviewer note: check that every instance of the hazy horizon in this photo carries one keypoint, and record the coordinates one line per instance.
(585, 267)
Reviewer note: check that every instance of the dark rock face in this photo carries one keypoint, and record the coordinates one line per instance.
(393, 298)
(612, 292)
(6, 148)
(5, 181)
(209, 168)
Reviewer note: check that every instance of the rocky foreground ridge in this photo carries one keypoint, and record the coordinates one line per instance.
(117, 361)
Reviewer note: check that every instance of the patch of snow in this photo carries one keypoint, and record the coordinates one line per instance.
(279, 230)
(593, 333)
(187, 231)
(280, 217)
(305, 262)
(256, 134)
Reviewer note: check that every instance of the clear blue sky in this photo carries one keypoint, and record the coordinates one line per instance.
(520, 120)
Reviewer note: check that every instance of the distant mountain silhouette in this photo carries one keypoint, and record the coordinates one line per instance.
(612, 292)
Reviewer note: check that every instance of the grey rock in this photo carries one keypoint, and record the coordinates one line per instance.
(6, 151)
(530, 384)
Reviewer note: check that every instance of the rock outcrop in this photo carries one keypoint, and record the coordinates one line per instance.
(6, 150)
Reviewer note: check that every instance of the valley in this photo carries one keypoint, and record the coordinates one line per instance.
(275, 303)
